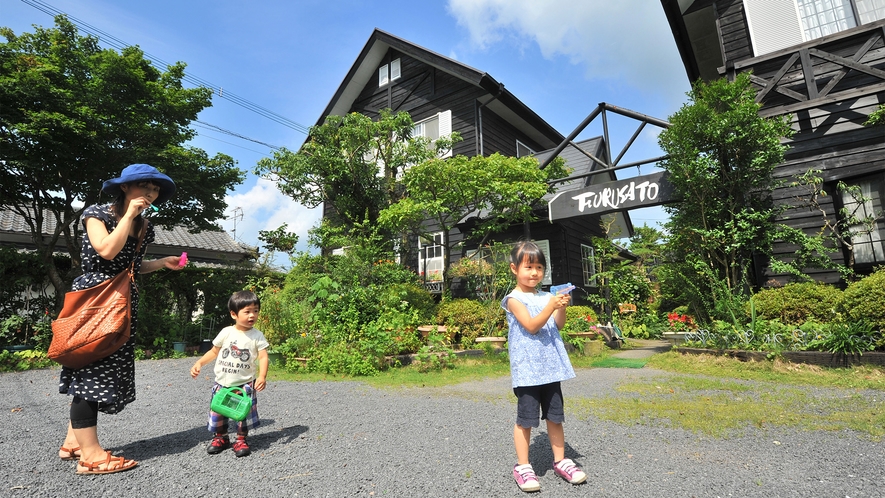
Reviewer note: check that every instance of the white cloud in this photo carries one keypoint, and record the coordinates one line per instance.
(264, 207)
(627, 39)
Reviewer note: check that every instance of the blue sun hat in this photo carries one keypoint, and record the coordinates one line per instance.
(139, 173)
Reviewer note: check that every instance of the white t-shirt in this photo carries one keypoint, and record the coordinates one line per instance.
(237, 362)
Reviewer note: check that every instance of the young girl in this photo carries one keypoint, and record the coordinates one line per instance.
(242, 348)
(538, 362)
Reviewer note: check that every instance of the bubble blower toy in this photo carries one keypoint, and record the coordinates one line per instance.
(151, 209)
(183, 259)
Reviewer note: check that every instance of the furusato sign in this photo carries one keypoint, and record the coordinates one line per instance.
(637, 192)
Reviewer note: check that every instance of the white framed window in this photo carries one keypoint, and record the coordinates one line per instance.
(431, 254)
(870, 10)
(824, 17)
(778, 24)
(869, 248)
(389, 73)
(438, 125)
(523, 150)
(544, 245)
(588, 265)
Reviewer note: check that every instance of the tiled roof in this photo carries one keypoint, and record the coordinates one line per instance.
(208, 247)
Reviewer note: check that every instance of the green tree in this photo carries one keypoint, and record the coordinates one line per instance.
(439, 193)
(721, 156)
(73, 114)
(351, 163)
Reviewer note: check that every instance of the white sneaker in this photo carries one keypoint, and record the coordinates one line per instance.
(567, 469)
(525, 478)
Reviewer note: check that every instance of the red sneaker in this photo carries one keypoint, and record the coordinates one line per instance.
(241, 449)
(219, 443)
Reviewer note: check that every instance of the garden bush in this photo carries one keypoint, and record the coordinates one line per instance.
(412, 297)
(795, 303)
(462, 316)
(579, 319)
(865, 299)
(283, 316)
(641, 325)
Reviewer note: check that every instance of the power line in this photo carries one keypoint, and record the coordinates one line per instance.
(232, 133)
(119, 44)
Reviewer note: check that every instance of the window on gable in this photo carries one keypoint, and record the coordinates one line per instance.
(523, 150)
(588, 265)
(869, 245)
(389, 73)
(438, 125)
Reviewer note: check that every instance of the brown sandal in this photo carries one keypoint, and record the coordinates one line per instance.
(120, 464)
(71, 453)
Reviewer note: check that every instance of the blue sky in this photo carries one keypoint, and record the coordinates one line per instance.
(560, 57)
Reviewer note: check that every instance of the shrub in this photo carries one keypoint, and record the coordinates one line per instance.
(464, 316)
(795, 303)
(864, 300)
(409, 297)
(642, 325)
(282, 316)
(848, 338)
(579, 319)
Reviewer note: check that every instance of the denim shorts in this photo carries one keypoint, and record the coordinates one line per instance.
(219, 423)
(546, 398)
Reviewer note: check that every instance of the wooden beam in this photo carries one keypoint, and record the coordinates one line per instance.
(771, 84)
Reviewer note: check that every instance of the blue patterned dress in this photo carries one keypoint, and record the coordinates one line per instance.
(111, 380)
(535, 359)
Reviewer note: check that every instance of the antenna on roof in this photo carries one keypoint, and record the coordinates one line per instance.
(236, 216)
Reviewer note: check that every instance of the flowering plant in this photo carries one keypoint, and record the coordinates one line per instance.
(679, 322)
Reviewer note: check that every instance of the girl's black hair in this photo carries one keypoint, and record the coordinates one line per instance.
(526, 249)
(241, 299)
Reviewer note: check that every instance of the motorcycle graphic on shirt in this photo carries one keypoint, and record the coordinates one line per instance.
(234, 352)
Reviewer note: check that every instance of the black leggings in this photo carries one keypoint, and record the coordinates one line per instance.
(84, 414)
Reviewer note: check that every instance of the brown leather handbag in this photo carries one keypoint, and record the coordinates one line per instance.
(94, 322)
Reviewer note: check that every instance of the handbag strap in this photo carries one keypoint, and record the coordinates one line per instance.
(141, 237)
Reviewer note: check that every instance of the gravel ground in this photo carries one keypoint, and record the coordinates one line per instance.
(347, 439)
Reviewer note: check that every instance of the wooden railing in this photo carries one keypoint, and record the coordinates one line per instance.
(837, 67)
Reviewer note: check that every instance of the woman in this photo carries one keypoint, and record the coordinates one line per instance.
(109, 247)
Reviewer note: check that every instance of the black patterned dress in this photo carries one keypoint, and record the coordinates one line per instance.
(111, 380)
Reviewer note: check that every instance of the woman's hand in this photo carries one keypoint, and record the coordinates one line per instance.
(136, 206)
(171, 262)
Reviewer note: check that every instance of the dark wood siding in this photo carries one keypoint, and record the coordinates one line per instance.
(500, 136)
(565, 238)
(733, 30)
(827, 102)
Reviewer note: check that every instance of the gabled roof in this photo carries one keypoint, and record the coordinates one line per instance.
(505, 104)
(204, 248)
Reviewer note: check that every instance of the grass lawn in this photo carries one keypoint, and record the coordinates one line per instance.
(713, 395)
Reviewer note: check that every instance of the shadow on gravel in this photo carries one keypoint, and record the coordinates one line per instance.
(541, 456)
(183, 441)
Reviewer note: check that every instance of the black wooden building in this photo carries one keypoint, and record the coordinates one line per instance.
(444, 96)
(823, 64)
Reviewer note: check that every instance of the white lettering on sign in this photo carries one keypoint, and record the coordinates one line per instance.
(614, 197)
